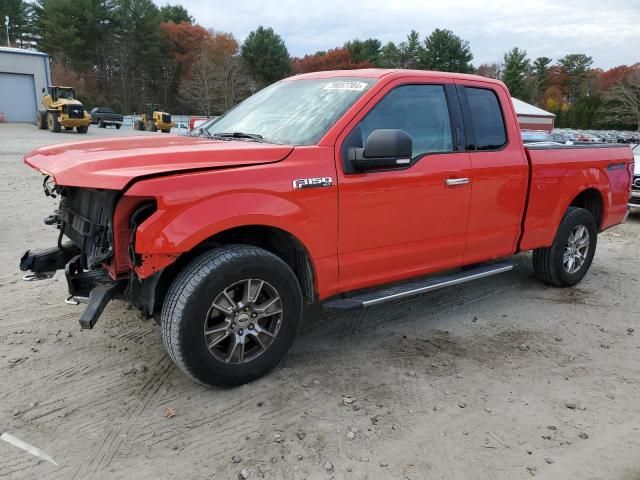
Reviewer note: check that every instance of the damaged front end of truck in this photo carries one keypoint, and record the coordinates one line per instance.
(95, 248)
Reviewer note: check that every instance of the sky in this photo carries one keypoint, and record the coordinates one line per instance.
(608, 31)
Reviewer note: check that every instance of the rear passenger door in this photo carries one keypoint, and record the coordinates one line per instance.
(403, 222)
(499, 171)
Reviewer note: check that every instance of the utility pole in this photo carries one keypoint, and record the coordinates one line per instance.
(6, 23)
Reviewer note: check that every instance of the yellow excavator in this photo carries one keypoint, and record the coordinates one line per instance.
(62, 110)
(153, 119)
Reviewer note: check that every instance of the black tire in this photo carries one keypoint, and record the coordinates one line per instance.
(150, 126)
(117, 126)
(548, 263)
(82, 129)
(189, 301)
(101, 124)
(52, 122)
(41, 120)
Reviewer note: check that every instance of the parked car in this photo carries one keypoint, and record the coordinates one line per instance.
(346, 189)
(202, 127)
(180, 128)
(634, 200)
(104, 116)
(536, 136)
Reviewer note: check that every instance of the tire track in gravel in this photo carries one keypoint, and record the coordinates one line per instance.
(13, 465)
(102, 454)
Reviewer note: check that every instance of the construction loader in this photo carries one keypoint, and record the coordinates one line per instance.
(62, 110)
(154, 118)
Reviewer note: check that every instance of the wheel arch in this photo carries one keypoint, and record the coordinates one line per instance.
(592, 200)
(273, 239)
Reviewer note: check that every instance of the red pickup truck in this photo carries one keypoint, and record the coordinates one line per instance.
(349, 188)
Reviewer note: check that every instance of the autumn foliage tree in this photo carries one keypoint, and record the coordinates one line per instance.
(217, 78)
(336, 59)
(183, 41)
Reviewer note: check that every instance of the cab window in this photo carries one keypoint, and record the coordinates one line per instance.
(486, 119)
(419, 110)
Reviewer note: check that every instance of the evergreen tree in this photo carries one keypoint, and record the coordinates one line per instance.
(19, 26)
(75, 31)
(576, 67)
(540, 76)
(446, 52)
(176, 14)
(266, 55)
(390, 56)
(411, 51)
(364, 50)
(516, 70)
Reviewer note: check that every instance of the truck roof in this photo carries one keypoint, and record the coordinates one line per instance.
(392, 73)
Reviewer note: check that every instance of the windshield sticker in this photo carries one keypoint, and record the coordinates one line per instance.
(353, 86)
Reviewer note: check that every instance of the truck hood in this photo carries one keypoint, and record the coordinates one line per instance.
(114, 163)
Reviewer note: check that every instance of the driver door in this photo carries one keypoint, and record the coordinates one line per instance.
(409, 220)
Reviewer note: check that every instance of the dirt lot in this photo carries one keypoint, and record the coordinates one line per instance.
(504, 378)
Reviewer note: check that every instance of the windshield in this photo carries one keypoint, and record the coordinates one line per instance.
(69, 94)
(292, 112)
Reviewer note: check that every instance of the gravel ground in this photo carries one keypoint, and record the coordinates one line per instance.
(504, 378)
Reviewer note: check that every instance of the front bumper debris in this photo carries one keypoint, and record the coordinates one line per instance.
(98, 298)
(46, 261)
(93, 287)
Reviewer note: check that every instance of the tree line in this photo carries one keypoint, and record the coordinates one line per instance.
(125, 53)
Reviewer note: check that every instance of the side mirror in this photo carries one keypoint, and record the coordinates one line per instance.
(385, 148)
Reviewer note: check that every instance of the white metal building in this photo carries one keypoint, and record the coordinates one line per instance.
(23, 75)
(531, 117)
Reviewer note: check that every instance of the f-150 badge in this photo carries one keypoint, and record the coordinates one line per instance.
(301, 183)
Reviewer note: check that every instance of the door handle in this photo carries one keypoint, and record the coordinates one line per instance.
(452, 182)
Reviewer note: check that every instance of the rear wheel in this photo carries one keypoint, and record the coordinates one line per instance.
(41, 120)
(52, 122)
(150, 126)
(567, 260)
(117, 126)
(82, 129)
(231, 315)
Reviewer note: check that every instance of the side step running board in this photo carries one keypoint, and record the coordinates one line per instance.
(417, 287)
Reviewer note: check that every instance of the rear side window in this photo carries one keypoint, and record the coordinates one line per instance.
(486, 119)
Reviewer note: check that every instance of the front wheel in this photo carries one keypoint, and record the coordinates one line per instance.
(82, 129)
(41, 120)
(231, 315)
(567, 260)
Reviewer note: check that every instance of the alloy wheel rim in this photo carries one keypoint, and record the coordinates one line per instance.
(243, 321)
(576, 249)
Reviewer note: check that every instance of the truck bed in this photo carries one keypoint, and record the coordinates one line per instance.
(559, 171)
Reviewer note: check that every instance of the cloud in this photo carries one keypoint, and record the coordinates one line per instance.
(609, 32)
